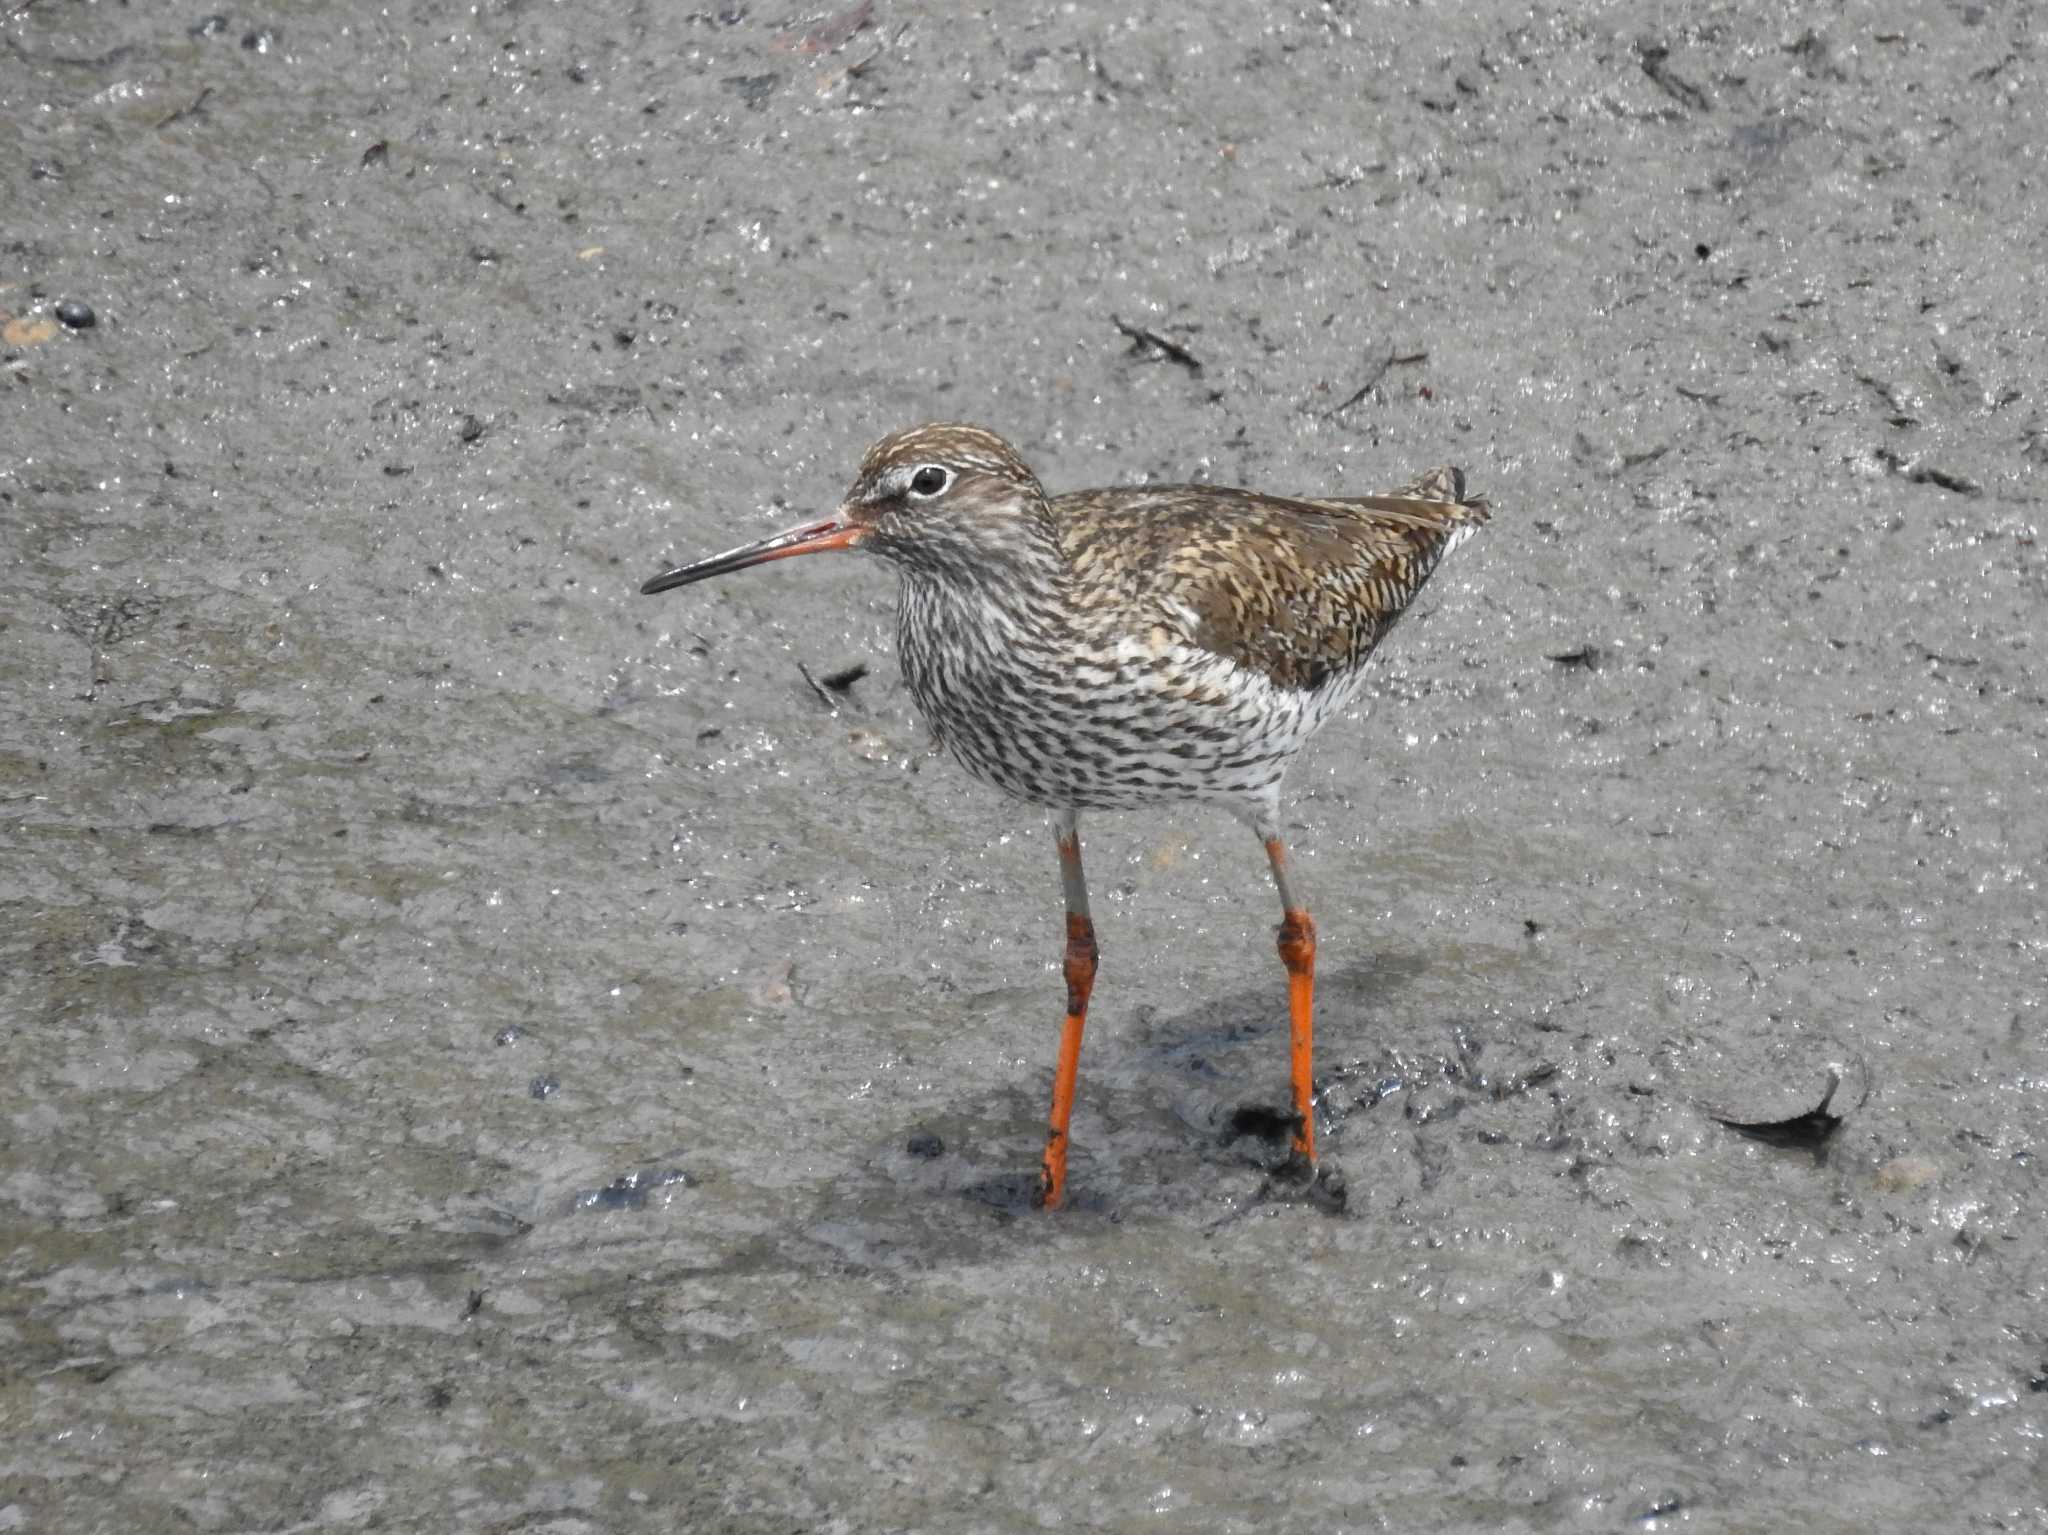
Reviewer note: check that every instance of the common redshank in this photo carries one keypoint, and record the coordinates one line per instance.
(1106, 649)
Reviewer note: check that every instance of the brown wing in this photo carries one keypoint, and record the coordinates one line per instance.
(1297, 589)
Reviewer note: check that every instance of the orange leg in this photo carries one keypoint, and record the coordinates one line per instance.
(1298, 953)
(1080, 971)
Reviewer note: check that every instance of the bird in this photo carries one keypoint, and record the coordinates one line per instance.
(1108, 649)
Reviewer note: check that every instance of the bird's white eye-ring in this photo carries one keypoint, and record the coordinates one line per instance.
(930, 480)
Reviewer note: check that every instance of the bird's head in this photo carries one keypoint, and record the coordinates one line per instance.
(941, 499)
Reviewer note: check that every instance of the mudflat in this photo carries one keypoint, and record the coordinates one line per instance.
(488, 1050)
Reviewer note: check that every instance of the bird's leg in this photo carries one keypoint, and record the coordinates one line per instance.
(1080, 970)
(1298, 953)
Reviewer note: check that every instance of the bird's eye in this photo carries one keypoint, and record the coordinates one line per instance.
(930, 480)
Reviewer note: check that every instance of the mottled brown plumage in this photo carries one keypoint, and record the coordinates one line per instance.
(1290, 587)
(1111, 648)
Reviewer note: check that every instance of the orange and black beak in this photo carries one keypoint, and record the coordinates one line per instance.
(811, 538)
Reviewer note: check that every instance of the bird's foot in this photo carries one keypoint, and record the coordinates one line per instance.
(1046, 1195)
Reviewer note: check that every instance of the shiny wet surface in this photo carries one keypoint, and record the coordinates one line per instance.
(490, 1050)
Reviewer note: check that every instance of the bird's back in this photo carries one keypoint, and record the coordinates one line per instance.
(1193, 640)
(1298, 590)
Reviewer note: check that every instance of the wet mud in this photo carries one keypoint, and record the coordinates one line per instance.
(487, 1050)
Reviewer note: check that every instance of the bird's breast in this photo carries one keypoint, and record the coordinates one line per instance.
(1050, 711)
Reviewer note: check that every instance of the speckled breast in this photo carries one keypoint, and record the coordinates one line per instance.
(1058, 717)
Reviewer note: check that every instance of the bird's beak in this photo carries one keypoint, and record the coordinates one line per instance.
(811, 538)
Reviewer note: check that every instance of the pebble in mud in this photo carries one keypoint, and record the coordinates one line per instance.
(631, 1191)
(1901, 1175)
(924, 1145)
(76, 316)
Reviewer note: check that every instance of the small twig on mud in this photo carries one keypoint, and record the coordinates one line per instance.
(1171, 350)
(191, 110)
(1391, 360)
(1371, 383)
(824, 697)
(1679, 89)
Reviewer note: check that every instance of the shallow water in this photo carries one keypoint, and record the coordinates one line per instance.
(492, 1051)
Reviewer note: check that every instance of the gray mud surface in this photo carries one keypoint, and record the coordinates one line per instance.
(488, 1051)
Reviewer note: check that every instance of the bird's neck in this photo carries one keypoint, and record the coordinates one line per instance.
(970, 607)
(1014, 563)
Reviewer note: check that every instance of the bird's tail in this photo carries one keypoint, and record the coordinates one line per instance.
(1435, 502)
(1446, 483)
